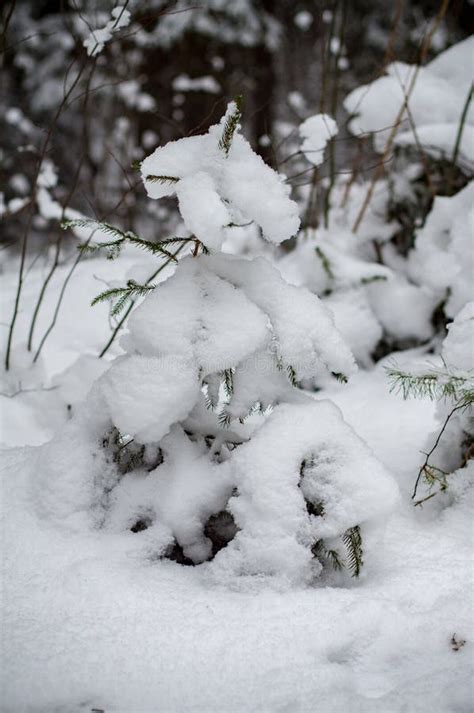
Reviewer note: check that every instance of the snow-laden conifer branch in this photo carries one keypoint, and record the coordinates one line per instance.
(332, 556)
(217, 176)
(433, 385)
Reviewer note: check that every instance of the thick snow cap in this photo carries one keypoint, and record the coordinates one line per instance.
(216, 175)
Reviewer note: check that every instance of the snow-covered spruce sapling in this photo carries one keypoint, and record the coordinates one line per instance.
(451, 447)
(197, 444)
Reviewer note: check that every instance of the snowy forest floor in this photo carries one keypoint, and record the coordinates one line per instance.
(91, 626)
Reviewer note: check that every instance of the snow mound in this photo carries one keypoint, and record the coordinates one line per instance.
(443, 259)
(146, 395)
(403, 309)
(198, 315)
(356, 321)
(303, 453)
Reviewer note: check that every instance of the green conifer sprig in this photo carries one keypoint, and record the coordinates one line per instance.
(330, 555)
(291, 375)
(352, 540)
(156, 248)
(229, 382)
(373, 278)
(114, 247)
(122, 295)
(224, 419)
(231, 125)
(352, 537)
(173, 241)
(208, 402)
(436, 385)
(94, 225)
(161, 179)
(433, 385)
(334, 558)
(289, 370)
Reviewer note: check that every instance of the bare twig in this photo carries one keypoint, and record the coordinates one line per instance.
(462, 122)
(24, 247)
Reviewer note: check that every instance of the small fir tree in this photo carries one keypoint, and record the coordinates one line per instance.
(198, 443)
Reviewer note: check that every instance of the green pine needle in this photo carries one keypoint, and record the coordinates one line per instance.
(156, 248)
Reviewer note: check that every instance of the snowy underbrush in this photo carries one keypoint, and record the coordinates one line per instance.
(393, 254)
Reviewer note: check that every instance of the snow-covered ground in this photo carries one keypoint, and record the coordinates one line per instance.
(90, 625)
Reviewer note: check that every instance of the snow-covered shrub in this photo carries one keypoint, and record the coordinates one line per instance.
(449, 450)
(361, 276)
(437, 103)
(198, 437)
